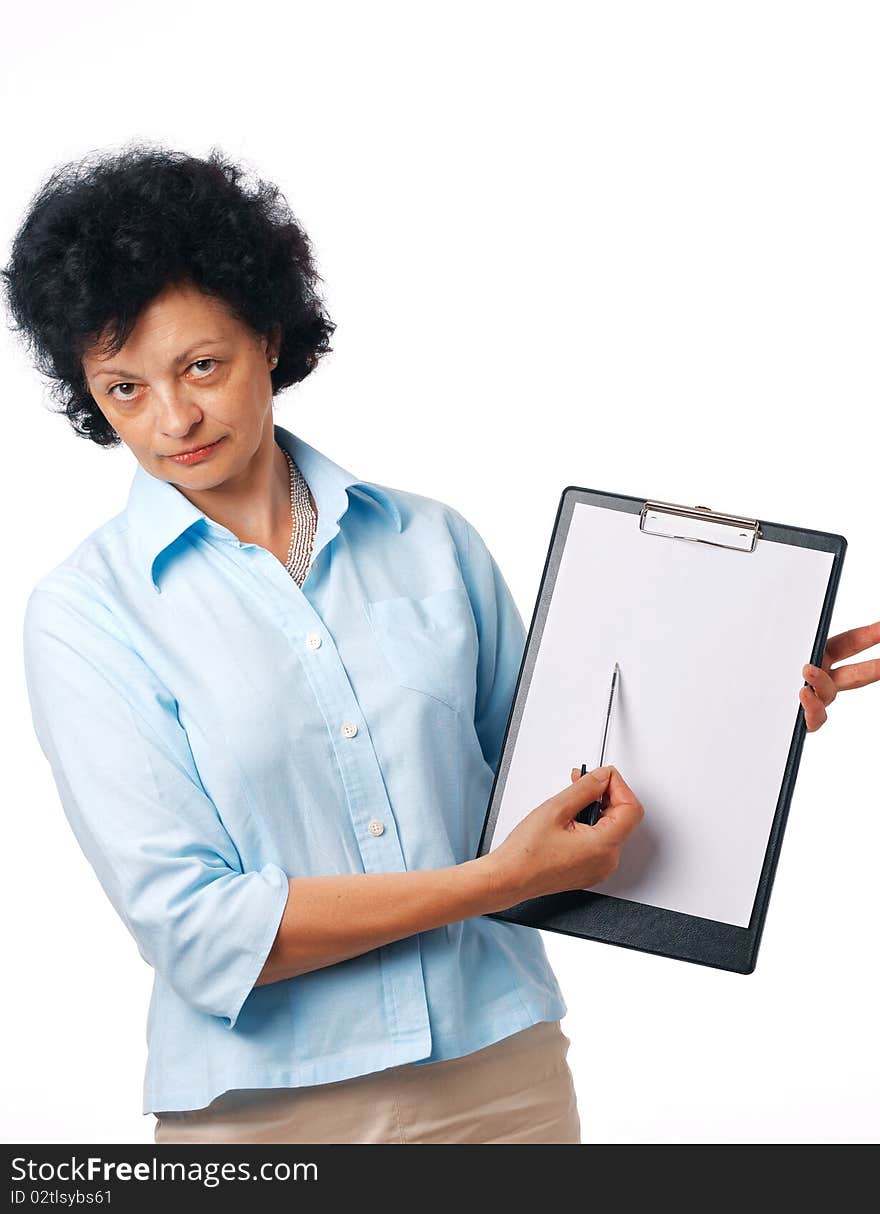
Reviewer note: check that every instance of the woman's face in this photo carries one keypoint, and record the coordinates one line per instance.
(189, 375)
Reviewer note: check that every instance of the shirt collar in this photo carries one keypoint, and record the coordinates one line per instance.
(158, 513)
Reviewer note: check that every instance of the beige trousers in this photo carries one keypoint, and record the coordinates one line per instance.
(517, 1090)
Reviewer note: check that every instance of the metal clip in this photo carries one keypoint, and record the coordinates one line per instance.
(700, 525)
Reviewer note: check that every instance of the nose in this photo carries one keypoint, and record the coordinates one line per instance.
(178, 412)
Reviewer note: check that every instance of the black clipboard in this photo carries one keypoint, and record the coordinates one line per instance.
(620, 921)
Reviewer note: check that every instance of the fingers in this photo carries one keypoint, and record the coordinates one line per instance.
(814, 710)
(624, 812)
(856, 674)
(822, 683)
(845, 644)
(582, 792)
(827, 683)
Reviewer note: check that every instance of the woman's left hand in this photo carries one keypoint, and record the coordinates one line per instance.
(825, 682)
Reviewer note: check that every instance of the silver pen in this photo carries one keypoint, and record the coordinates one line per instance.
(591, 813)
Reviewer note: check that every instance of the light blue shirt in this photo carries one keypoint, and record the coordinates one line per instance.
(214, 729)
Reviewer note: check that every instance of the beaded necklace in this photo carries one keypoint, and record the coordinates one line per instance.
(304, 520)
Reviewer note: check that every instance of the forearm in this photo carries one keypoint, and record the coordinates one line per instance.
(329, 919)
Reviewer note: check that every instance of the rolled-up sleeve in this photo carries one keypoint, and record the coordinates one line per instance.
(130, 790)
(502, 636)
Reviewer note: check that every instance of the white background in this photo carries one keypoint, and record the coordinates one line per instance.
(628, 246)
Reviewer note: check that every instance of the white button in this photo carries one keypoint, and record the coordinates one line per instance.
(376, 827)
(349, 729)
(313, 640)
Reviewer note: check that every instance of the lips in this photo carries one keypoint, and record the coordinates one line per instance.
(197, 455)
(193, 450)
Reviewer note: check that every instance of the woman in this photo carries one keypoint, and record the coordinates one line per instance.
(273, 697)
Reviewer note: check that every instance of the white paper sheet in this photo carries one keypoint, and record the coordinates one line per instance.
(711, 645)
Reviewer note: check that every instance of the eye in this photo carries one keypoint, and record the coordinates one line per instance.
(112, 391)
(130, 397)
(204, 360)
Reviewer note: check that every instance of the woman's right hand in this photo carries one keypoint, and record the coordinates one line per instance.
(549, 851)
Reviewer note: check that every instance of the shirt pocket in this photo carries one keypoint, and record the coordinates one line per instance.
(430, 644)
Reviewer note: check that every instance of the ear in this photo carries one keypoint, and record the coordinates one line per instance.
(273, 342)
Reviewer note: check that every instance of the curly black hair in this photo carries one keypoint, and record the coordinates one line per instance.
(103, 236)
